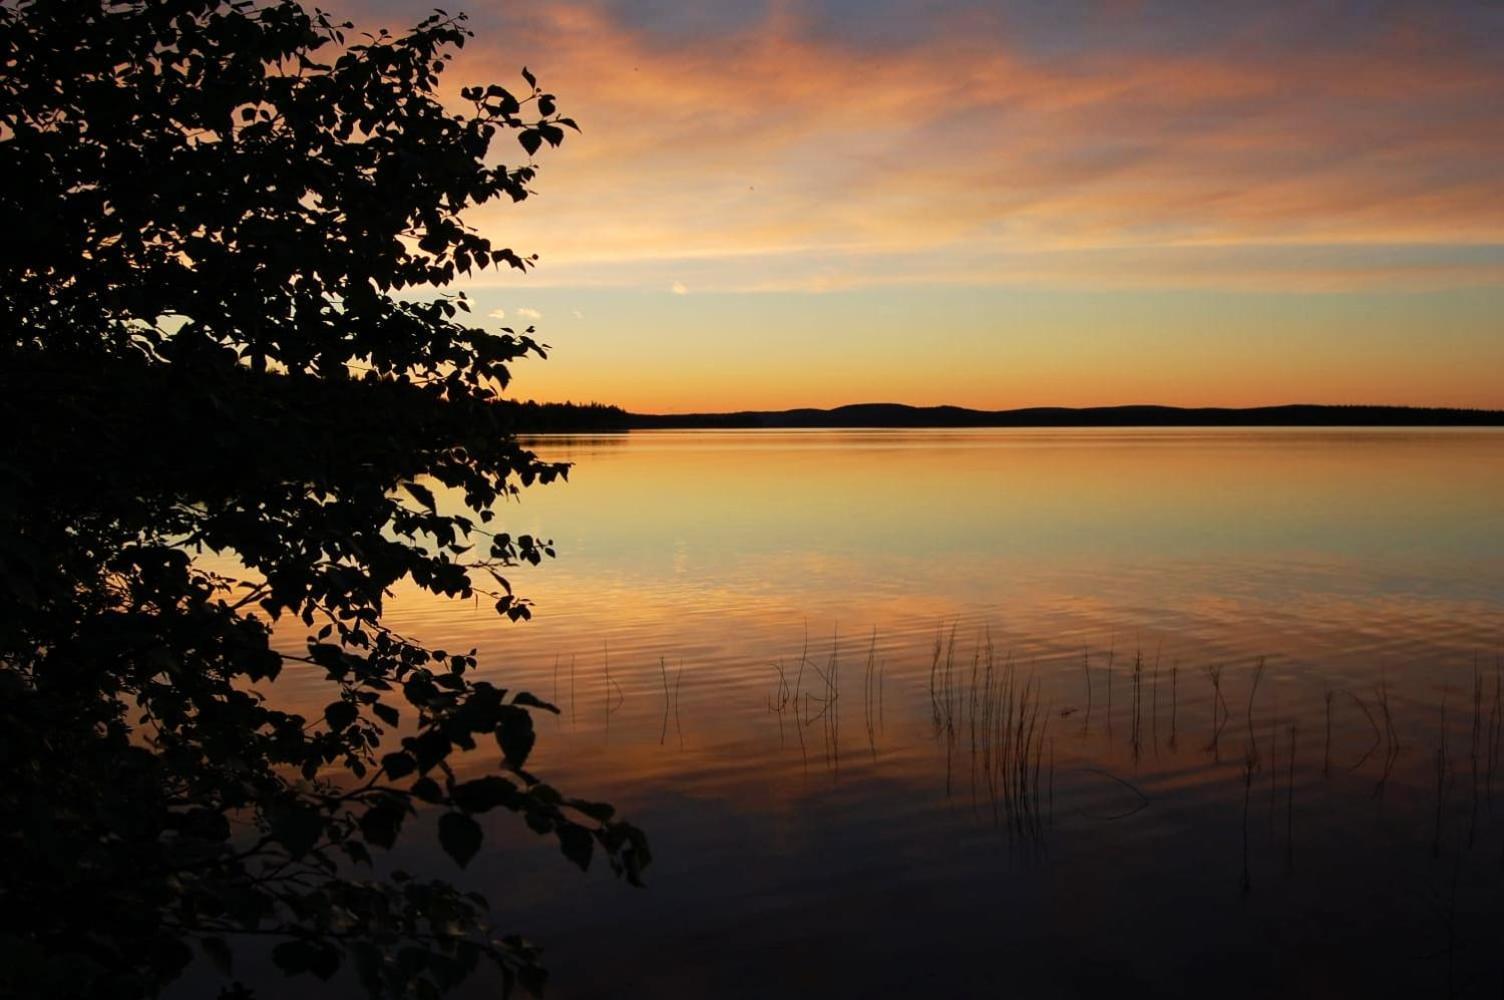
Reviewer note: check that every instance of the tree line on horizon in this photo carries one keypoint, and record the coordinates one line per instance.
(601, 417)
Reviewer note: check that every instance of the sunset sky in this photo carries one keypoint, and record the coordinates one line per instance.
(996, 205)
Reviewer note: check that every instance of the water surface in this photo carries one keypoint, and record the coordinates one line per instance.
(1257, 671)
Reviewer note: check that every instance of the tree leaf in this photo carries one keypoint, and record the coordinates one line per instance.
(340, 714)
(514, 734)
(483, 794)
(298, 828)
(398, 765)
(422, 494)
(428, 790)
(601, 812)
(381, 823)
(528, 700)
(460, 836)
(429, 748)
(577, 843)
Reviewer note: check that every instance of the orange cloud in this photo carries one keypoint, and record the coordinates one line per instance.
(772, 157)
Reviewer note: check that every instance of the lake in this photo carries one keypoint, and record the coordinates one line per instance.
(961, 713)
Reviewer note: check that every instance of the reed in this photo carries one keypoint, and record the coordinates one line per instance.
(1111, 657)
(1136, 726)
(671, 703)
(934, 676)
(1378, 734)
(1174, 701)
(942, 665)
(1391, 738)
(1253, 690)
(950, 692)
(790, 695)
(872, 695)
(1154, 703)
(1086, 673)
(782, 698)
(830, 713)
(1006, 726)
(825, 699)
(803, 659)
(994, 710)
(779, 699)
(610, 686)
(1220, 711)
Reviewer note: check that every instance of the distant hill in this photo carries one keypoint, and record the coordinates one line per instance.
(899, 415)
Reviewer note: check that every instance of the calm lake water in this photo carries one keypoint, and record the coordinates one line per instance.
(956, 713)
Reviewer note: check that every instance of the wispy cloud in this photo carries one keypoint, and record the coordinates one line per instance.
(967, 147)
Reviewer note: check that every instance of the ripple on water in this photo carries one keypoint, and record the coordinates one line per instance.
(851, 846)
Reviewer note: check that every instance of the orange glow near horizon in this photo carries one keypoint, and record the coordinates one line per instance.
(811, 204)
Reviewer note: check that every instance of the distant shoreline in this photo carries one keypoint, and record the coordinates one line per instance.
(897, 415)
(531, 417)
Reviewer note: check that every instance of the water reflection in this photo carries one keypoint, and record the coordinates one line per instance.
(1046, 711)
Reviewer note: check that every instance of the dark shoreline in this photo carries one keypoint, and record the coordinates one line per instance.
(883, 415)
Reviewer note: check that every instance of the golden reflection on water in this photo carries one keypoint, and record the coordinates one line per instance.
(1110, 568)
(1337, 554)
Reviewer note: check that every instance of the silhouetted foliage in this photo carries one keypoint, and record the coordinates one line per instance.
(215, 210)
(531, 416)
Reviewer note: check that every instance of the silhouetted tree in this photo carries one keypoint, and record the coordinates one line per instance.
(214, 212)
